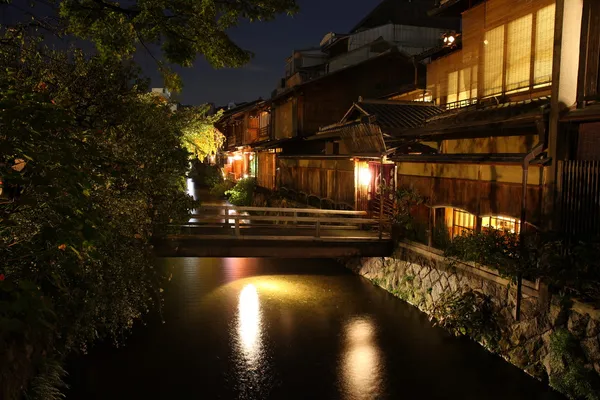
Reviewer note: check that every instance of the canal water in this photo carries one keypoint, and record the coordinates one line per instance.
(290, 329)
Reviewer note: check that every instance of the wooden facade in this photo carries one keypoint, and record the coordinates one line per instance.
(580, 197)
(325, 100)
(325, 178)
(589, 65)
(266, 173)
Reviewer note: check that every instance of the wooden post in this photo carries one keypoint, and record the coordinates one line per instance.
(226, 217)
(296, 218)
(318, 227)
(381, 202)
(237, 226)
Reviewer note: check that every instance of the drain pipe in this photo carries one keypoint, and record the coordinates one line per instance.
(536, 151)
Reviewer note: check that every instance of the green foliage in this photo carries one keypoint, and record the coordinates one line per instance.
(206, 175)
(101, 167)
(406, 199)
(470, 313)
(48, 383)
(568, 372)
(182, 29)
(242, 193)
(200, 136)
(493, 248)
(560, 261)
(220, 189)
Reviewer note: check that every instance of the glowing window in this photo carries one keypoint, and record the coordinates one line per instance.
(493, 61)
(501, 223)
(462, 222)
(544, 44)
(518, 53)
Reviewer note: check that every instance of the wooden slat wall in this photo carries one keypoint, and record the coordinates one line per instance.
(265, 176)
(325, 179)
(580, 197)
(477, 197)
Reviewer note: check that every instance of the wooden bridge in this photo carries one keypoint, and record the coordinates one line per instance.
(228, 231)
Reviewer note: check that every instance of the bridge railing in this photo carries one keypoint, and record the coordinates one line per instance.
(315, 220)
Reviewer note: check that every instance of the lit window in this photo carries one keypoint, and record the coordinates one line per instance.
(462, 222)
(452, 87)
(544, 43)
(518, 49)
(493, 61)
(501, 223)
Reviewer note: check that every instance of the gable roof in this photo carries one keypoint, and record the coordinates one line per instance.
(370, 126)
(405, 12)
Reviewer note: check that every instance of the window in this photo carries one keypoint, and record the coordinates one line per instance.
(501, 223)
(544, 42)
(493, 61)
(464, 84)
(452, 87)
(518, 53)
(462, 222)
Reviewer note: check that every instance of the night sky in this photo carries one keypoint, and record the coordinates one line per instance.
(271, 43)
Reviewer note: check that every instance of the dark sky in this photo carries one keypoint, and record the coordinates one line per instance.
(271, 43)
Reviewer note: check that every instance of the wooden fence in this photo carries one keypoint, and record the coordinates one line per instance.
(579, 196)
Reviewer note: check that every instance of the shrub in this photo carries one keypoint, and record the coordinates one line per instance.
(242, 193)
(470, 313)
(568, 373)
(220, 189)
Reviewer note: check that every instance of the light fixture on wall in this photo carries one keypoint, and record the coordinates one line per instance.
(364, 175)
(450, 39)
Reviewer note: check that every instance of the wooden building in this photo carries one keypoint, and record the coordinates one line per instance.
(244, 127)
(578, 173)
(503, 83)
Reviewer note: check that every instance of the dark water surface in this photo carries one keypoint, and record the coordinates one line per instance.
(291, 329)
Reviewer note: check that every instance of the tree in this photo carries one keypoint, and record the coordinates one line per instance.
(100, 166)
(183, 29)
(201, 138)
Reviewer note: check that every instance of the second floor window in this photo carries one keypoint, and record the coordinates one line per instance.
(518, 54)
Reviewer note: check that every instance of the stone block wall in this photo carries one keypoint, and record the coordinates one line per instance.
(421, 277)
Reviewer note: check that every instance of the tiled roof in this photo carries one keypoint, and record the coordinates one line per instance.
(398, 115)
(457, 121)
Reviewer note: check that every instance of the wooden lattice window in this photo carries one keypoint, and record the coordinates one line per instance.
(462, 222)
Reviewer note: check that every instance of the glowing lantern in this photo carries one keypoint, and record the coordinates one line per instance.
(364, 175)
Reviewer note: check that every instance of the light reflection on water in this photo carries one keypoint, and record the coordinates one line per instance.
(249, 325)
(289, 329)
(362, 362)
(252, 366)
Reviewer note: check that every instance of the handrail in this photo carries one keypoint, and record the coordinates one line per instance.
(282, 210)
(319, 217)
(287, 218)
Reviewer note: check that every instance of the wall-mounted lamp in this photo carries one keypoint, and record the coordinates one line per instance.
(450, 39)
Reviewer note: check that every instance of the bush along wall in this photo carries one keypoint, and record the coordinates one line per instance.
(556, 340)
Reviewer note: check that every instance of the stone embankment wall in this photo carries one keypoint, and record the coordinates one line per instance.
(422, 277)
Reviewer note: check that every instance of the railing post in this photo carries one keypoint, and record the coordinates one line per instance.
(296, 218)
(226, 217)
(318, 227)
(237, 226)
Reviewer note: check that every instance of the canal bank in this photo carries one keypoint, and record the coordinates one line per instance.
(556, 339)
(290, 329)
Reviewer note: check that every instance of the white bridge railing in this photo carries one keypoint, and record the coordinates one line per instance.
(302, 220)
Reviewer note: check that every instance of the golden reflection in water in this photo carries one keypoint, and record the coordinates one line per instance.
(249, 323)
(362, 363)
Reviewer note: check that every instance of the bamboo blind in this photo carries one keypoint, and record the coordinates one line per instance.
(507, 48)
